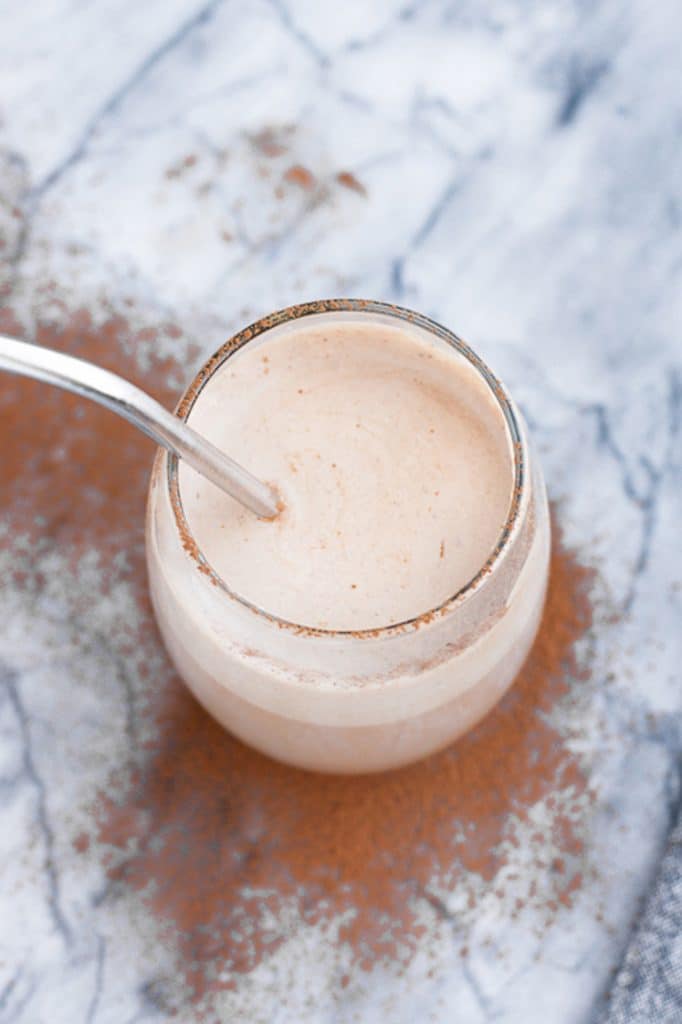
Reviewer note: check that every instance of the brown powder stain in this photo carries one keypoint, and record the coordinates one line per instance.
(269, 143)
(182, 166)
(349, 180)
(300, 176)
(228, 836)
(81, 843)
(75, 474)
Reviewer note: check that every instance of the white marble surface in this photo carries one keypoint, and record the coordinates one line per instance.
(522, 165)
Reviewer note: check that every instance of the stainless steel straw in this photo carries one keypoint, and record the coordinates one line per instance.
(139, 408)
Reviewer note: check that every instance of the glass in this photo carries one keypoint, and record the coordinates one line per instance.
(362, 700)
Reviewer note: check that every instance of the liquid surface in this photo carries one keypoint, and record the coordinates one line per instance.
(391, 456)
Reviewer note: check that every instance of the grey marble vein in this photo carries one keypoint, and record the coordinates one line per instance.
(10, 684)
(113, 103)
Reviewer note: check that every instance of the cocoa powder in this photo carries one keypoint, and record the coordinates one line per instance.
(225, 839)
(72, 465)
(348, 180)
(223, 821)
(299, 175)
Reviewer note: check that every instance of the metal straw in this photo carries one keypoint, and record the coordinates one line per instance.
(143, 411)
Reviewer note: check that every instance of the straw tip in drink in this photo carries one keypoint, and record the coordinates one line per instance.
(275, 504)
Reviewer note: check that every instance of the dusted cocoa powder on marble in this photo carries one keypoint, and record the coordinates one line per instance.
(350, 181)
(216, 839)
(231, 837)
(301, 176)
(76, 474)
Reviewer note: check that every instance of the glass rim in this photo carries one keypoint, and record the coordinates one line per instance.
(399, 313)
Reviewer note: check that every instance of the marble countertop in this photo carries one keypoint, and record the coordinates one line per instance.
(177, 170)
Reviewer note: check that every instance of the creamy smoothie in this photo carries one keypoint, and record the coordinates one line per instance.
(392, 461)
(393, 600)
